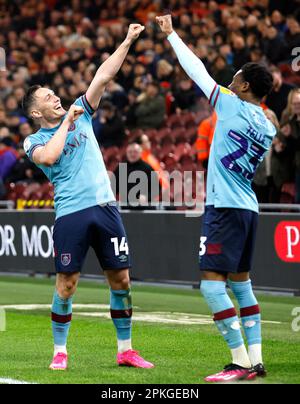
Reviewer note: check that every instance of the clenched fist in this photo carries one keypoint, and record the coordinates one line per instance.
(165, 23)
(134, 32)
(74, 113)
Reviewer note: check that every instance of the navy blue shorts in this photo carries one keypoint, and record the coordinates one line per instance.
(228, 240)
(98, 227)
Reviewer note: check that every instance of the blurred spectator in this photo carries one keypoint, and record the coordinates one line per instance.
(282, 163)
(204, 141)
(25, 170)
(292, 132)
(185, 95)
(151, 108)
(222, 72)
(150, 159)
(263, 184)
(142, 185)
(292, 36)
(277, 100)
(274, 45)
(241, 54)
(165, 72)
(109, 126)
(8, 158)
(130, 109)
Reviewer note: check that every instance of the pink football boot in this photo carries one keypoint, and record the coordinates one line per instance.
(232, 373)
(60, 362)
(133, 359)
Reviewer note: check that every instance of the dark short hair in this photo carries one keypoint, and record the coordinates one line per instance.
(259, 77)
(28, 98)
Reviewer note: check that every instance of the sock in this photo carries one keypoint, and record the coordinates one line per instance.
(60, 349)
(61, 322)
(121, 314)
(226, 320)
(251, 318)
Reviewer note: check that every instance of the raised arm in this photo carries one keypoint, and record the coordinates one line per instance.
(188, 60)
(108, 70)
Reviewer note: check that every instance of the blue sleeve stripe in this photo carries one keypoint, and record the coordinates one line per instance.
(33, 149)
(87, 105)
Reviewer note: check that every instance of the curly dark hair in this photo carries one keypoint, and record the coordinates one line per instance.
(259, 77)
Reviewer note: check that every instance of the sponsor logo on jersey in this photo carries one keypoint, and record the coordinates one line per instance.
(73, 144)
(227, 91)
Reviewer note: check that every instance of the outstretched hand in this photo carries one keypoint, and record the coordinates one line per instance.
(134, 32)
(165, 23)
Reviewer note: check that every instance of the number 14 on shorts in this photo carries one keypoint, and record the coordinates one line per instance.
(120, 246)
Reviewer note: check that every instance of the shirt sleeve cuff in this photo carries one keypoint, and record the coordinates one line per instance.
(173, 37)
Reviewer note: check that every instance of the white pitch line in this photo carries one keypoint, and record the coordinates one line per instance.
(13, 381)
(31, 307)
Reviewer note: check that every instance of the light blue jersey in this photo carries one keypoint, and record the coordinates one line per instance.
(242, 137)
(79, 177)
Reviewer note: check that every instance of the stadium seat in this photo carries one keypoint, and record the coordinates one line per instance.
(167, 147)
(175, 121)
(191, 134)
(162, 133)
(182, 149)
(171, 162)
(151, 133)
(188, 163)
(178, 134)
(189, 120)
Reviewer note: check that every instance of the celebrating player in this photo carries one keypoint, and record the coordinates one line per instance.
(66, 149)
(243, 135)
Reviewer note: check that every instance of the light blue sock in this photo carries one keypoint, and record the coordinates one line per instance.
(61, 319)
(250, 311)
(225, 315)
(121, 313)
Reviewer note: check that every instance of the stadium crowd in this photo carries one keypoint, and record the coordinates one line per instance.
(60, 44)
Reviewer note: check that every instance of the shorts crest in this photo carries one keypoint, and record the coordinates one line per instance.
(66, 259)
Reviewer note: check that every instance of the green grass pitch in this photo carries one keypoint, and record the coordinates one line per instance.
(183, 353)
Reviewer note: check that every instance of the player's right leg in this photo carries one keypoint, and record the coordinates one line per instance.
(71, 243)
(221, 248)
(61, 314)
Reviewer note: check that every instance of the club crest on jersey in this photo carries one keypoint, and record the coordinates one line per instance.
(66, 259)
(72, 127)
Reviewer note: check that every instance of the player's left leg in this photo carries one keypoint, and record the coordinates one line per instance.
(241, 286)
(121, 306)
(121, 314)
(111, 247)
